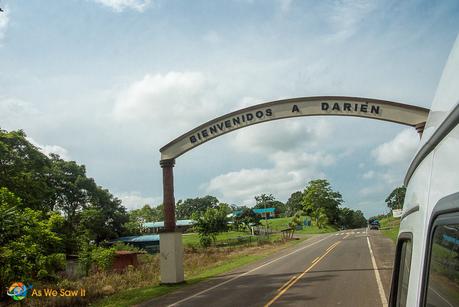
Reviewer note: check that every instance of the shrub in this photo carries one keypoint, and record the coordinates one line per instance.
(103, 257)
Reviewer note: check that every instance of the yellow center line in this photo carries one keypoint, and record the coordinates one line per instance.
(284, 285)
(315, 260)
(332, 246)
(285, 288)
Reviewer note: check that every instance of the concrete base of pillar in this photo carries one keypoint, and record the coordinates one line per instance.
(171, 257)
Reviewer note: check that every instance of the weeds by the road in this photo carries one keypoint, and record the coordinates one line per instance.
(279, 224)
(390, 227)
(139, 284)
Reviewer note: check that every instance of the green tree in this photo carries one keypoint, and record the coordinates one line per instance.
(349, 218)
(209, 224)
(138, 217)
(294, 203)
(396, 198)
(247, 219)
(296, 221)
(185, 209)
(25, 171)
(30, 248)
(319, 198)
(269, 201)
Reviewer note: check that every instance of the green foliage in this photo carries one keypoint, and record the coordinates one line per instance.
(247, 218)
(269, 201)
(103, 257)
(185, 209)
(91, 256)
(319, 199)
(349, 218)
(51, 184)
(294, 222)
(25, 171)
(29, 247)
(209, 224)
(294, 203)
(396, 198)
(140, 216)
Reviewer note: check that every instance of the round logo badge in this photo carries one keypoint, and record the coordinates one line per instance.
(17, 291)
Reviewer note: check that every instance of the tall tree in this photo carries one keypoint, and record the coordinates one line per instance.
(25, 171)
(396, 198)
(294, 203)
(143, 215)
(269, 201)
(209, 224)
(247, 218)
(319, 198)
(185, 209)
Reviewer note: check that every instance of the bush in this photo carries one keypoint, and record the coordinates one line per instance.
(29, 248)
(96, 256)
(103, 257)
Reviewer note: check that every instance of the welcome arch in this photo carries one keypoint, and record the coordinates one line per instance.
(171, 251)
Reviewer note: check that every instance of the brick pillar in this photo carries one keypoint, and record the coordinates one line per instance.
(420, 128)
(168, 194)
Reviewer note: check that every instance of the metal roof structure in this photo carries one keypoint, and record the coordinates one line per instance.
(138, 239)
(161, 224)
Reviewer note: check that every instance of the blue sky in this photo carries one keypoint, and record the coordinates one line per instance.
(108, 82)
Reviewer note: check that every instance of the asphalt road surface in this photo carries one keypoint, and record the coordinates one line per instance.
(349, 268)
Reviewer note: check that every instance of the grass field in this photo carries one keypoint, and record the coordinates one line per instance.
(248, 255)
(282, 223)
(192, 239)
(390, 227)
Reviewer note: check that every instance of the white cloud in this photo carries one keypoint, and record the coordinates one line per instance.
(121, 5)
(135, 200)
(13, 109)
(369, 175)
(281, 135)
(4, 20)
(49, 149)
(187, 97)
(371, 190)
(285, 5)
(345, 17)
(398, 151)
(290, 172)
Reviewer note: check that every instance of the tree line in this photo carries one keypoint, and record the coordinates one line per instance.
(49, 208)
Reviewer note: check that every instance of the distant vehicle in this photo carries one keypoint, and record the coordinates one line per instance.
(426, 267)
(374, 226)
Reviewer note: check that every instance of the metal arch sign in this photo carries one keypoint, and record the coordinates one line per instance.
(306, 106)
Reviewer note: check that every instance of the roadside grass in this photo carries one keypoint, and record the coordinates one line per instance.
(282, 223)
(192, 239)
(390, 227)
(200, 272)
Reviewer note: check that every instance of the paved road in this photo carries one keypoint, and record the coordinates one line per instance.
(325, 270)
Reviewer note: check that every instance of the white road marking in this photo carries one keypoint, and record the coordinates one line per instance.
(439, 295)
(243, 274)
(378, 278)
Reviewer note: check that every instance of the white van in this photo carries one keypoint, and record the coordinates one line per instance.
(426, 268)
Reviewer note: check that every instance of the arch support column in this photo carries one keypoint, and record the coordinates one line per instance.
(168, 194)
(170, 241)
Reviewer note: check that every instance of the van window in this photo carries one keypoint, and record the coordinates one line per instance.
(406, 249)
(443, 276)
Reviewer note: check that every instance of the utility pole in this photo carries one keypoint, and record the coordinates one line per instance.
(266, 219)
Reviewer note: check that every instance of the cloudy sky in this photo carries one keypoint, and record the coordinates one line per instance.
(108, 82)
